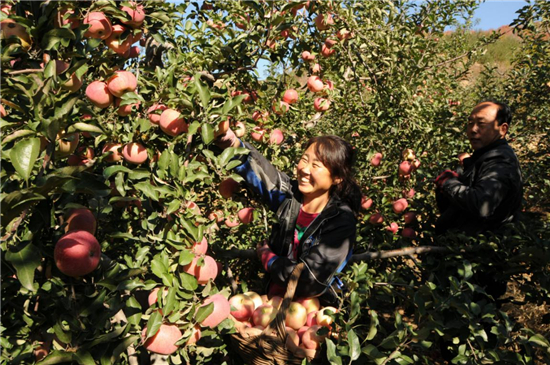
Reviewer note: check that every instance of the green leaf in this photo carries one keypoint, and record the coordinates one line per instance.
(226, 156)
(354, 345)
(186, 257)
(56, 357)
(207, 133)
(111, 170)
(147, 189)
(154, 323)
(539, 340)
(332, 355)
(55, 36)
(85, 127)
(173, 206)
(373, 325)
(204, 92)
(23, 156)
(188, 282)
(17, 134)
(203, 312)
(25, 258)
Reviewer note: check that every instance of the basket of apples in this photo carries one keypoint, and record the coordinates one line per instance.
(279, 330)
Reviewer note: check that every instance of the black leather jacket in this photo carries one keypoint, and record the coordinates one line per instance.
(487, 193)
(326, 244)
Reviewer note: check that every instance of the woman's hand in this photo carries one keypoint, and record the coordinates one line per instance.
(265, 254)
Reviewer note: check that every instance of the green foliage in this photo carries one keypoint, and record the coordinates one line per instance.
(398, 83)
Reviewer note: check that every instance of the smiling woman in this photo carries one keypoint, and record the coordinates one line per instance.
(315, 213)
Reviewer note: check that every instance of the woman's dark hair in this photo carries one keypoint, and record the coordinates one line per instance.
(338, 156)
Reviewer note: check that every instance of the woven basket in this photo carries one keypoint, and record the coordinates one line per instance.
(272, 346)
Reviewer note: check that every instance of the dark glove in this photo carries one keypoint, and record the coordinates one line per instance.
(444, 176)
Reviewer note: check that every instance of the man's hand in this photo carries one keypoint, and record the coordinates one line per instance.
(444, 176)
(225, 137)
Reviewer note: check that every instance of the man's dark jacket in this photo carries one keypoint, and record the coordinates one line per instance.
(487, 193)
(327, 243)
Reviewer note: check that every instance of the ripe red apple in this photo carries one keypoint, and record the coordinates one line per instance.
(246, 215)
(276, 137)
(256, 298)
(290, 96)
(393, 227)
(121, 82)
(326, 51)
(116, 42)
(152, 298)
(133, 52)
(3, 113)
(196, 335)
(114, 148)
(81, 219)
(73, 83)
(293, 335)
(323, 22)
(263, 315)
(98, 93)
(231, 222)
(66, 16)
(77, 253)
(164, 341)
(409, 217)
(100, 25)
(376, 159)
(311, 318)
(136, 13)
(205, 273)
(222, 310)
(125, 110)
(301, 332)
(66, 143)
(366, 203)
(408, 194)
(315, 84)
(200, 248)
(260, 115)
(408, 232)
(172, 123)
(312, 340)
(307, 56)
(228, 187)
(316, 68)
(154, 112)
(321, 104)
(280, 107)
(376, 219)
(296, 316)
(258, 134)
(134, 153)
(310, 304)
(343, 34)
(405, 168)
(400, 205)
(242, 307)
(10, 28)
(324, 318)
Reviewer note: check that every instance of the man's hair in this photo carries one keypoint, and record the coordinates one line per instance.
(504, 113)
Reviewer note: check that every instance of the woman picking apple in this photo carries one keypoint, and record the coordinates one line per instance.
(315, 212)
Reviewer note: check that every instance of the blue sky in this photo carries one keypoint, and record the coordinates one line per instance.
(492, 14)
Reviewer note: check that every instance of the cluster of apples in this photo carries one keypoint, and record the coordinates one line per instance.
(304, 318)
(316, 85)
(77, 252)
(227, 188)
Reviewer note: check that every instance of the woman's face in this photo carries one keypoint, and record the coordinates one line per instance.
(314, 178)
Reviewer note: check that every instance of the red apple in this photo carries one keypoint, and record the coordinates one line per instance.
(312, 340)
(242, 307)
(256, 298)
(296, 316)
(343, 34)
(66, 143)
(408, 233)
(307, 56)
(200, 248)
(376, 219)
(66, 16)
(276, 137)
(323, 22)
(376, 159)
(315, 84)
(77, 253)
(239, 128)
(134, 153)
(393, 227)
(405, 168)
(263, 315)
(257, 134)
(316, 68)
(400, 205)
(228, 187)
(98, 93)
(321, 104)
(10, 28)
(260, 115)
(246, 215)
(280, 107)
(164, 341)
(73, 83)
(366, 203)
(136, 14)
(293, 335)
(310, 304)
(121, 82)
(196, 335)
(154, 112)
(172, 123)
(290, 96)
(222, 310)
(81, 219)
(326, 51)
(125, 110)
(100, 25)
(311, 318)
(409, 217)
(275, 301)
(208, 271)
(114, 148)
(116, 42)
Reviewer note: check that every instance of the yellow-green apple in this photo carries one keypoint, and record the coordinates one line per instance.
(393, 228)
(280, 107)
(321, 104)
(201, 247)
(310, 304)
(400, 205)
(307, 56)
(115, 41)
(73, 83)
(154, 112)
(172, 123)
(134, 153)
(66, 143)
(311, 339)
(66, 16)
(408, 154)
(242, 307)
(222, 310)
(276, 137)
(136, 14)
(315, 84)
(121, 82)
(408, 232)
(256, 298)
(239, 128)
(114, 150)
(125, 110)
(81, 219)
(258, 134)
(246, 215)
(324, 316)
(275, 301)
(290, 96)
(10, 28)
(100, 25)
(98, 93)
(208, 271)
(376, 219)
(228, 187)
(366, 203)
(296, 316)
(376, 159)
(77, 253)
(164, 341)
(323, 22)
(263, 315)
